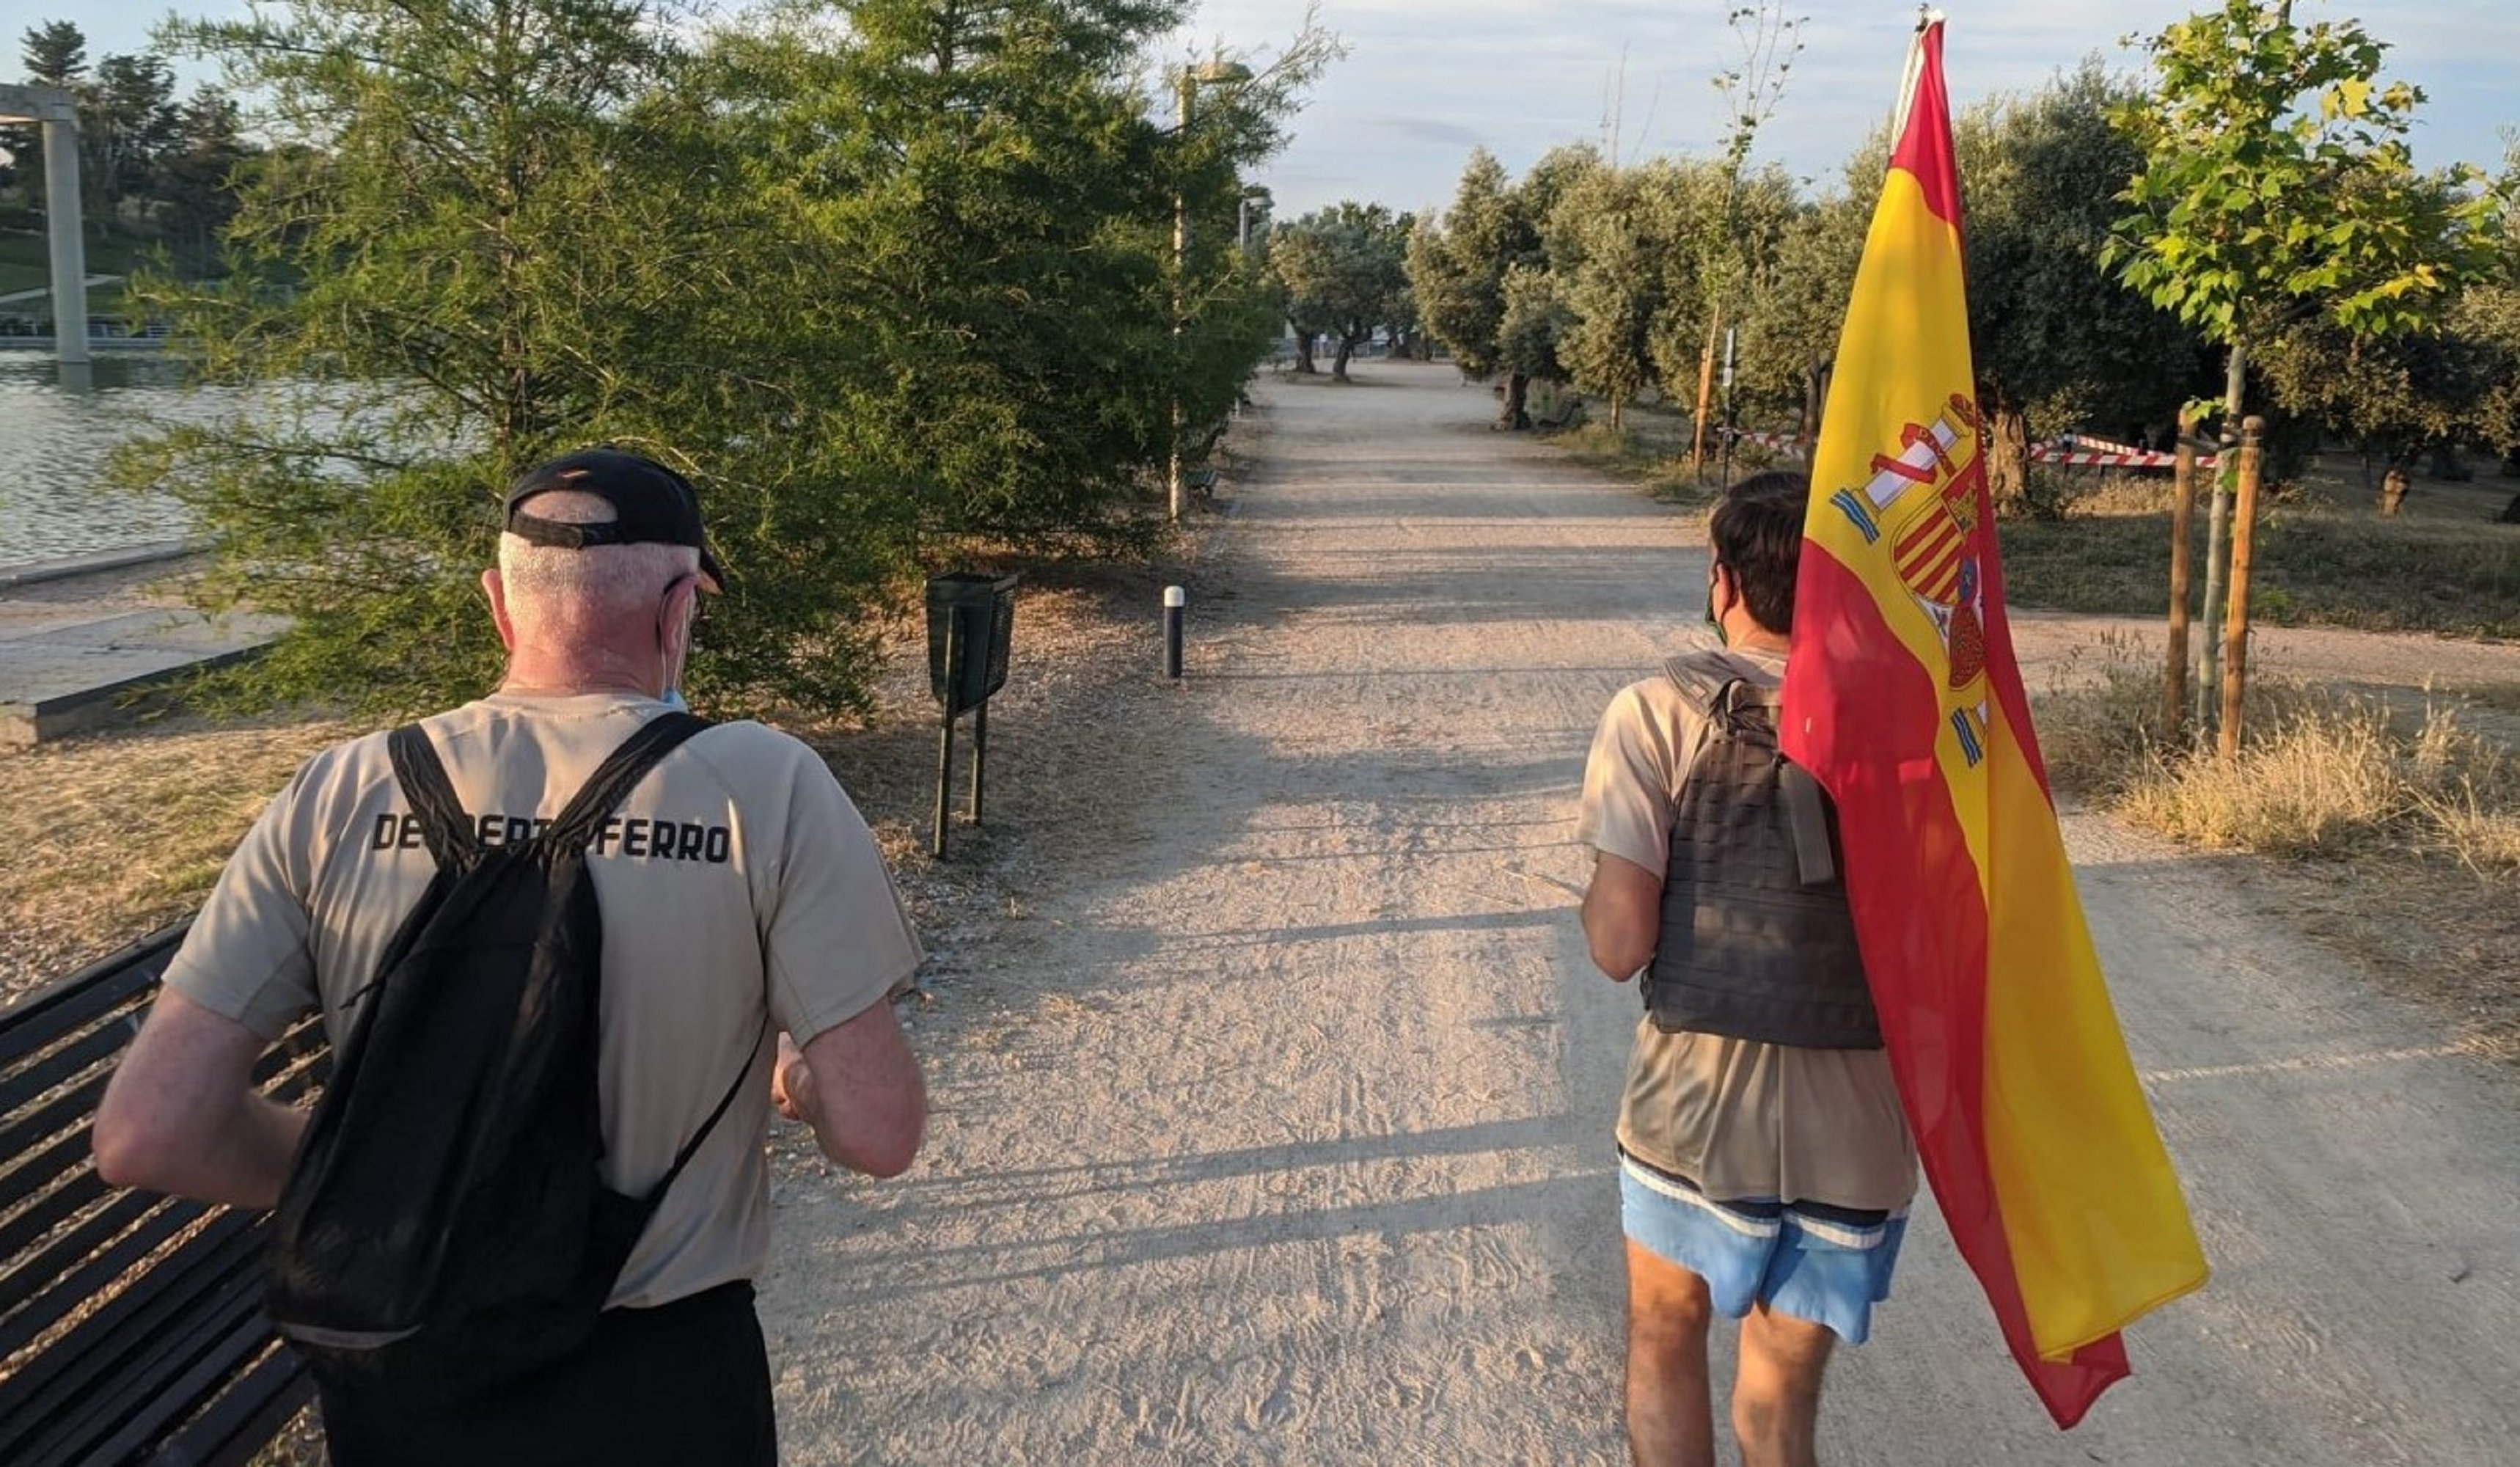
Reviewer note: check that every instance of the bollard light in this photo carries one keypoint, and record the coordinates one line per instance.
(1175, 598)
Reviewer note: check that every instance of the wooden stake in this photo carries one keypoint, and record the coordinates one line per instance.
(1705, 397)
(2182, 515)
(2235, 627)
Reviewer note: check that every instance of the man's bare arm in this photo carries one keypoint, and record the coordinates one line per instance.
(1622, 915)
(181, 1115)
(858, 1086)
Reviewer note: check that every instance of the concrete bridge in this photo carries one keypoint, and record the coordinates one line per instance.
(58, 111)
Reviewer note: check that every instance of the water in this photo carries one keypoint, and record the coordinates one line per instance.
(54, 442)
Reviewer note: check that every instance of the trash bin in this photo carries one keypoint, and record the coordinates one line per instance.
(978, 611)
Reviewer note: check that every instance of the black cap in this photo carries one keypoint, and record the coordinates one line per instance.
(651, 505)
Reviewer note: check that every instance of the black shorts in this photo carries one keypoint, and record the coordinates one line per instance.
(686, 1384)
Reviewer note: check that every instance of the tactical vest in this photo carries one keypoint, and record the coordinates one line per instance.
(1757, 939)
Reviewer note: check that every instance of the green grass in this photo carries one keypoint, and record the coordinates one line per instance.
(2322, 554)
(2310, 564)
(25, 265)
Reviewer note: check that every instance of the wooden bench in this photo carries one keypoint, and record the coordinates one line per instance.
(1202, 483)
(131, 1327)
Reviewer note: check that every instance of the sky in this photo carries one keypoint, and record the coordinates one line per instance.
(1425, 81)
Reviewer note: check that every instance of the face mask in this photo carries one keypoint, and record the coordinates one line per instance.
(1721, 635)
(672, 696)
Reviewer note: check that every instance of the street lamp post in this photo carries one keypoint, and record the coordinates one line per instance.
(1209, 73)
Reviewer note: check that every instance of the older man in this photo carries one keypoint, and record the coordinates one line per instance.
(736, 880)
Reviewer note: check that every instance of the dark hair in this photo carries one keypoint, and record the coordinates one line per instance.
(1757, 533)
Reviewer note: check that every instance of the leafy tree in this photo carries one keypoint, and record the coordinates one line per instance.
(196, 175)
(1727, 261)
(1797, 300)
(880, 287)
(1460, 268)
(1345, 274)
(2277, 188)
(2391, 397)
(54, 54)
(510, 232)
(1536, 322)
(1457, 263)
(2058, 341)
(1612, 237)
(996, 199)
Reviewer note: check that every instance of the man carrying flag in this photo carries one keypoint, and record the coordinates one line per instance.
(1765, 1167)
(1903, 700)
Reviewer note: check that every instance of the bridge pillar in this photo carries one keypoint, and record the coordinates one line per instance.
(58, 111)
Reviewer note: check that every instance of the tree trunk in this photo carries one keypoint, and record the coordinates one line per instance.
(2448, 467)
(1815, 395)
(1514, 414)
(1304, 354)
(2217, 529)
(1338, 363)
(2392, 490)
(2007, 456)
(1705, 395)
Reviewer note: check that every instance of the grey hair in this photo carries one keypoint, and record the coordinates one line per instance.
(557, 588)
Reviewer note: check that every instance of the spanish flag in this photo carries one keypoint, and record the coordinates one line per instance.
(1903, 698)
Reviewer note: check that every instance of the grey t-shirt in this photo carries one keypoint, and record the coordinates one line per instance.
(1737, 1117)
(735, 879)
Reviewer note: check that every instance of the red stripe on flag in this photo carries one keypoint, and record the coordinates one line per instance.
(1940, 528)
(1929, 990)
(1925, 148)
(1933, 569)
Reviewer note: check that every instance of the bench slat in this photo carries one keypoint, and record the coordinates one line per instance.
(64, 1157)
(231, 1431)
(75, 1104)
(53, 1010)
(106, 1343)
(50, 1210)
(111, 1004)
(219, 1354)
(49, 1073)
(75, 1267)
(287, 1057)
(172, 1361)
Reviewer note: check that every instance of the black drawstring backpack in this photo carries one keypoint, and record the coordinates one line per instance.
(444, 1223)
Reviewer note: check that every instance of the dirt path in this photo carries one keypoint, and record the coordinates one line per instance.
(1273, 1124)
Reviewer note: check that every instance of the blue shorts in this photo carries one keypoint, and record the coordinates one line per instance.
(1829, 1265)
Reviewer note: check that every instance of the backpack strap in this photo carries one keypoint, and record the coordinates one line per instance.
(1806, 806)
(423, 777)
(621, 770)
(691, 1148)
(1702, 676)
(1716, 684)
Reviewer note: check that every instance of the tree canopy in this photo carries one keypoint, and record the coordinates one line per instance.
(1344, 273)
(883, 288)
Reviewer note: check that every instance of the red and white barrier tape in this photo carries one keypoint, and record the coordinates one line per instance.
(2074, 449)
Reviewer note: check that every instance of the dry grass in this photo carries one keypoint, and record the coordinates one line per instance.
(2399, 832)
(107, 838)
